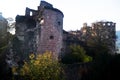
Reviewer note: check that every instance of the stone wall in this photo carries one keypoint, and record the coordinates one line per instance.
(26, 32)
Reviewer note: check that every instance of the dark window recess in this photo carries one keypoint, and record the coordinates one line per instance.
(59, 23)
(41, 18)
(51, 37)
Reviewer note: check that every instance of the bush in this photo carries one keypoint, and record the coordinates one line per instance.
(41, 67)
(77, 54)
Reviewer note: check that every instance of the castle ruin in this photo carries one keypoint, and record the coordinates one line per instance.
(102, 32)
(41, 30)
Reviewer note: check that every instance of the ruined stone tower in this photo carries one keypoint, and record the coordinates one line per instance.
(51, 22)
(37, 32)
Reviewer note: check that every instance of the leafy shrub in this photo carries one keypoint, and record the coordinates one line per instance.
(41, 67)
(77, 54)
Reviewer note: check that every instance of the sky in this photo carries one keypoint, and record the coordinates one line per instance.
(76, 12)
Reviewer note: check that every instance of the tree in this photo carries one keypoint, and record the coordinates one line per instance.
(3, 50)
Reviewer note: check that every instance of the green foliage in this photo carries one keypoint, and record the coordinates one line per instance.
(77, 54)
(4, 40)
(41, 67)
